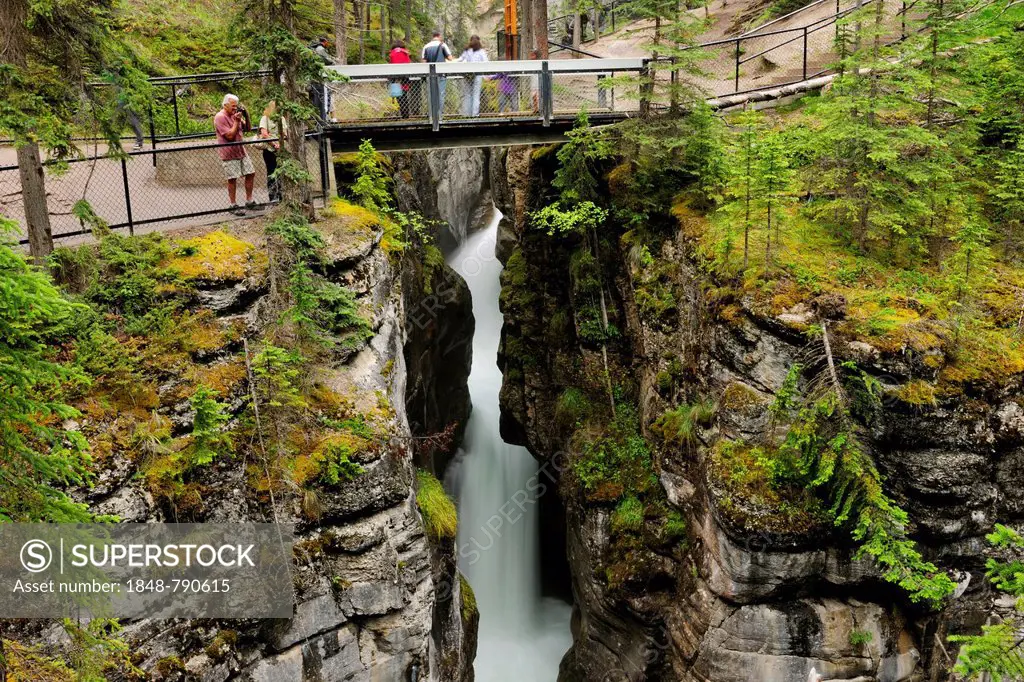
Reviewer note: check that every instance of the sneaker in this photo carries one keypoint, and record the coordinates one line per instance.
(137, 148)
(250, 206)
(235, 209)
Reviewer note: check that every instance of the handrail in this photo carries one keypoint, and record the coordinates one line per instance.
(754, 31)
(573, 49)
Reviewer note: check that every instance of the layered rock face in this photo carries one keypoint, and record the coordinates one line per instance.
(377, 599)
(757, 589)
(452, 185)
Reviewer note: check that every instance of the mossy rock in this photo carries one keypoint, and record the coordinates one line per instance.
(216, 257)
(350, 231)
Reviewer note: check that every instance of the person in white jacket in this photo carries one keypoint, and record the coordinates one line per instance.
(474, 52)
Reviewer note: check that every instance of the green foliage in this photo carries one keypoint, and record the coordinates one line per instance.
(577, 220)
(628, 515)
(675, 526)
(679, 425)
(579, 163)
(208, 437)
(823, 452)
(997, 650)
(38, 456)
(440, 519)
(277, 374)
(618, 460)
(64, 45)
(371, 186)
(321, 308)
(572, 406)
(859, 638)
(337, 466)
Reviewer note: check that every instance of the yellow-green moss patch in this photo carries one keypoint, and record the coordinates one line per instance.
(216, 256)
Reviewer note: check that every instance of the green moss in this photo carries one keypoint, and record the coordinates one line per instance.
(675, 527)
(169, 666)
(742, 481)
(571, 407)
(440, 518)
(665, 382)
(679, 425)
(916, 392)
(217, 257)
(628, 515)
(737, 396)
(469, 608)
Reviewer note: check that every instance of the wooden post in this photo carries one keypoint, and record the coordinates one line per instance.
(340, 31)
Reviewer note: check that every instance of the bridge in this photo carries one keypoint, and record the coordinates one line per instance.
(178, 181)
(472, 103)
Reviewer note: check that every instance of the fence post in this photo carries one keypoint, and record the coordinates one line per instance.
(174, 100)
(325, 183)
(546, 94)
(737, 87)
(434, 99)
(128, 195)
(152, 132)
(805, 53)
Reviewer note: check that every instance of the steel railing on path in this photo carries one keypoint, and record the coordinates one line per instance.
(132, 193)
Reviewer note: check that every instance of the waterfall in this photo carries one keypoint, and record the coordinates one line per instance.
(522, 634)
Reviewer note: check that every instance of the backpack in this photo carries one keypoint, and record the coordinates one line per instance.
(438, 52)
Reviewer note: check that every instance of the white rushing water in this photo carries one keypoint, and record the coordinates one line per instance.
(522, 635)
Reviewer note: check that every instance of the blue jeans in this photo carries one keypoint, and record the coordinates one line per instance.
(471, 96)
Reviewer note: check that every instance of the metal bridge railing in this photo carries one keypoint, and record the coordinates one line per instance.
(445, 93)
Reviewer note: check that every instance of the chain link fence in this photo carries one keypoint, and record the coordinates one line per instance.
(171, 186)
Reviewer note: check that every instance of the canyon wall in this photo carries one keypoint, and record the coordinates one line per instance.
(724, 579)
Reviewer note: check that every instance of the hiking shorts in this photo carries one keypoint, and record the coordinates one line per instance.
(236, 168)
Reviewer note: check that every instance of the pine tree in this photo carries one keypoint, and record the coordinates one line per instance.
(49, 52)
(773, 178)
(38, 454)
(268, 27)
(742, 172)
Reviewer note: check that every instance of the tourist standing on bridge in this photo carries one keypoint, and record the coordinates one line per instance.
(319, 93)
(230, 124)
(435, 52)
(270, 129)
(473, 53)
(400, 86)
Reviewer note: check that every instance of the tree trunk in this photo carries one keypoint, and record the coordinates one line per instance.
(408, 21)
(297, 194)
(577, 34)
(361, 28)
(540, 27)
(340, 31)
(526, 42)
(13, 50)
(33, 197)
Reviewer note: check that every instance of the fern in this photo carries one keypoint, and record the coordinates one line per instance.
(823, 451)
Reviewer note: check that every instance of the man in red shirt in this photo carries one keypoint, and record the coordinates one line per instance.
(230, 124)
